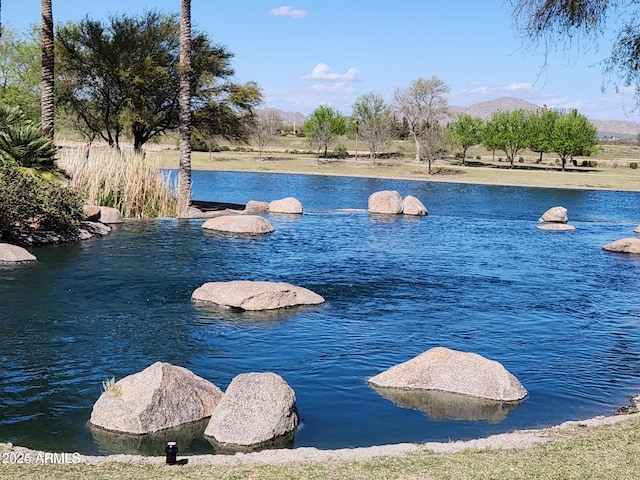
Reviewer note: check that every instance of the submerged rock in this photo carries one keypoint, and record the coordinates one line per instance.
(255, 408)
(556, 227)
(446, 370)
(14, 254)
(448, 406)
(624, 245)
(249, 295)
(243, 224)
(159, 397)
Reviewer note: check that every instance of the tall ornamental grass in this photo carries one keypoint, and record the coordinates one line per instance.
(134, 184)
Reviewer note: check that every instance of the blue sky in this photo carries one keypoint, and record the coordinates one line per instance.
(306, 53)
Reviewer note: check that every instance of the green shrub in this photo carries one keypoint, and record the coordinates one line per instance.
(633, 165)
(478, 157)
(521, 160)
(340, 151)
(30, 203)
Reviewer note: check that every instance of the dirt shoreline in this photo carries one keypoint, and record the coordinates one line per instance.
(515, 439)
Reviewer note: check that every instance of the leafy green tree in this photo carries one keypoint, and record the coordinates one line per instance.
(374, 120)
(542, 125)
(423, 103)
(322, 128)
(509, 132)
(573, 135)
(19, 72)
(467, 132)
(436, 142)
(125, 75)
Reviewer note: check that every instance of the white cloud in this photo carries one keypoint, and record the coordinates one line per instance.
(288, 11)
(517, 86)
(338, 87)
(322, 71)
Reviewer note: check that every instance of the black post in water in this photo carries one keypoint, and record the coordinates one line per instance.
(172, 452)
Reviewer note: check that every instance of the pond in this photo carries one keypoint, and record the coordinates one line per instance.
(475, 275)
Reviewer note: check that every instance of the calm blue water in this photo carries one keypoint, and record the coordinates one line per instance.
(475, 275)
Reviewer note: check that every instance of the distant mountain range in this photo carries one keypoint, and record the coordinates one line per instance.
(484, 110)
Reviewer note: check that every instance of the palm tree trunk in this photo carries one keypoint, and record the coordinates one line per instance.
(184, 172)
(46, 99)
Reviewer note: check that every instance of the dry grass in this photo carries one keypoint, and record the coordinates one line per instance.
(578, 452)
(131, 183)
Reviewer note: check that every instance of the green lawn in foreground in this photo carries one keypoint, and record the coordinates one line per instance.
(579, 452)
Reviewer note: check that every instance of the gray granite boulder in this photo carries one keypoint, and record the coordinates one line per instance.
(110, 215)
(91, 213)
(556, 227)
(445, 370)
(244, 224)
(159, 397)
(555, 215)
(388, 202)
(254, 207)
(255, 408)
(624, 245)
(287, 205)
(412, 206)
(249, 295)
(14, 254)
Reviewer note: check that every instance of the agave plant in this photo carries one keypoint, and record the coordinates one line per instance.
(22, 142)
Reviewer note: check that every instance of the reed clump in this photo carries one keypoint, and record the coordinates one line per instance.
(132, 183)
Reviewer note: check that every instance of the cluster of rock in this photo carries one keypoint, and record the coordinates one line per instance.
(96, 223)
(255, 408)
(258, 408)
(249, 221)
(389, 202)
(625, 245)
(555, 219)
(254, 296)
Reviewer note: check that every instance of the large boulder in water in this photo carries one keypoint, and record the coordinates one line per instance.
(159, 397)
(243, 224)
(14, 254)
(412, 206)
(255, 408)
(254, 207)
(555, 215)
(388, 202)
(249, 295)
(110, 215)
(446, 370)
(624, 245)
(287, 205)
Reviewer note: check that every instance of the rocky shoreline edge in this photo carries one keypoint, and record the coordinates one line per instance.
(515, 439)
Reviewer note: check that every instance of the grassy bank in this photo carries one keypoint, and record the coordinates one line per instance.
(613, 171)
(576, 452)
